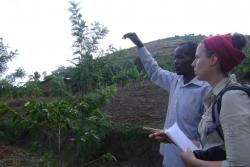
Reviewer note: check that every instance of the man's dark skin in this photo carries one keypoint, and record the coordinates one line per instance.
(182, 61)
(183, 66)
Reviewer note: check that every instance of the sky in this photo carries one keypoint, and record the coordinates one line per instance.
(41, 31)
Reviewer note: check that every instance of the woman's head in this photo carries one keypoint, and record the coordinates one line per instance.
(218, 53)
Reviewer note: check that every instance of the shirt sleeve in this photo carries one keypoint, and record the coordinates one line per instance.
(235, 122)
(159, 76)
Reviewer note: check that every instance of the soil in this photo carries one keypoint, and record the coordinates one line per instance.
(12, 156)
(138, 104)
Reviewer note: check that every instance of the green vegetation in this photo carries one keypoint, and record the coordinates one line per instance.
(5, 56)
(63, 128)
(243, 70)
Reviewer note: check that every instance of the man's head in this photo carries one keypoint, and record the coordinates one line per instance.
(184, 56)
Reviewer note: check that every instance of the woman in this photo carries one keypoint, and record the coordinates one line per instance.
(215, 57)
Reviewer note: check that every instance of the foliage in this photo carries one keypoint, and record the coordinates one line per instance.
(36, 76)
(32, 89)
(8, 131)
(127, 73)
(19, 73)
(86, 44)
(108, 157)
(5, 56)
(63, 127)
(6, 88)
(58, 87)
(194, 38)
(87, 36)
(243, 69)
(29, 89)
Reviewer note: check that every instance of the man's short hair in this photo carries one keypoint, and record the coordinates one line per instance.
(189, 47)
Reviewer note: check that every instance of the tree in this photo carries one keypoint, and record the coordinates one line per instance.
(243, 69)
(44, 73)
(86, 37)
(19, 73)
(36, 76)
(86, 44)
(193, 37)
(5, 56)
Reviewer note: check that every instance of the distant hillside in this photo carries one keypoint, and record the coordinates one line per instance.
(162, 50)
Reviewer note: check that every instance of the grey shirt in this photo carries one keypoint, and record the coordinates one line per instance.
(184, 106)
(235, 122)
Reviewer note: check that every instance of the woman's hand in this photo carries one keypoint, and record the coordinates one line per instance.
(188, 158)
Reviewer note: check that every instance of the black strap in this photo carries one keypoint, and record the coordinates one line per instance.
(216, 107)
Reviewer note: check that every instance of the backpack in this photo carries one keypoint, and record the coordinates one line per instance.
(216, 153)
(216, 106)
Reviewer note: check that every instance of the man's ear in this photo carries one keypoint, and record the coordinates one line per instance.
(214, 60)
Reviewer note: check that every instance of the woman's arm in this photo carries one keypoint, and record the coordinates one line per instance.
(190, 160)
(235, 122)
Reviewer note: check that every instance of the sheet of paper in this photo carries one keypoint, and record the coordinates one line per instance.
(179, 138)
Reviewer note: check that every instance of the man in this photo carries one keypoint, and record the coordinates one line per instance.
(186, 95)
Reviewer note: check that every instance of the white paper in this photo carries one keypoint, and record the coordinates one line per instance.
(179, 138)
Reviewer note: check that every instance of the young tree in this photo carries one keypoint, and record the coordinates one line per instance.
(86, 44)
(86, 36)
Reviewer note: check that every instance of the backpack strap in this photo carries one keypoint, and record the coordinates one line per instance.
(216, 107)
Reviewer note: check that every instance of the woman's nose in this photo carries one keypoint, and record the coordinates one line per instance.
(193, 63)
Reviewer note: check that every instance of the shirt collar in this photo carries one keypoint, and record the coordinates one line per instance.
(194, 81)
(222, 84)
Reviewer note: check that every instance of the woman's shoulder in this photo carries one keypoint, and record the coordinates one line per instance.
(236, 98)
(235, 88)
(235, 94)
(235, 103)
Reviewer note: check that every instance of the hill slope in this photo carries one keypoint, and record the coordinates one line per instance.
(138, 104)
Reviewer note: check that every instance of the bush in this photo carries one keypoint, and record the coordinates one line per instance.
(69, 129)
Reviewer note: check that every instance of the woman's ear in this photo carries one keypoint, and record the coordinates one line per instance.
(214, 60)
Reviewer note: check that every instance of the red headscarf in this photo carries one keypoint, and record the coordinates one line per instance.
(222, 46)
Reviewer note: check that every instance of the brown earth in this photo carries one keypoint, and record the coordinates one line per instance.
(138, 104)
(12, 156)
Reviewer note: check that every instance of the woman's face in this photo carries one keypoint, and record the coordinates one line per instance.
(201, 63)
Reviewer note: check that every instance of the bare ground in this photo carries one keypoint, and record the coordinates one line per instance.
(138, 104)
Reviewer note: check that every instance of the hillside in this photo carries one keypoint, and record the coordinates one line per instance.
(139, 104)
(161, 49)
